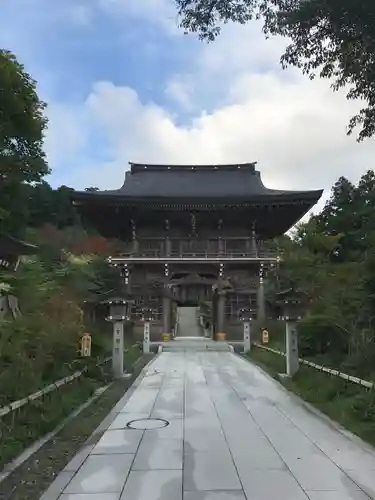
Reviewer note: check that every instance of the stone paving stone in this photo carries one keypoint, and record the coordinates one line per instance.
(123, 419)
(233, 434)
(101, 474)
(214, 495)
(153, 485)
(90, 496)
(320, 473)
(210, 471)
(154, 454)
(337, 495)
(118, 441)
(271, 485)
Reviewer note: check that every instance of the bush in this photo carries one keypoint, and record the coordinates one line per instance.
(319, 335)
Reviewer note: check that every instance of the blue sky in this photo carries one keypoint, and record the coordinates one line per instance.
(123, 83)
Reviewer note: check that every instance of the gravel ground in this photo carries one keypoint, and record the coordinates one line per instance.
(33, 477)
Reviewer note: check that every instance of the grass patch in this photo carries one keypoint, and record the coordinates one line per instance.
(19, 429)
(34, 476)
(348, 404)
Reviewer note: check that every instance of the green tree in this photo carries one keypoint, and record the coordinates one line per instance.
(330, 38)
(22, 126)
(51, 206)
(348, 214)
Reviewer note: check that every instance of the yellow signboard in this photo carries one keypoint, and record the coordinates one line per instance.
(86, 345)
(265, 336)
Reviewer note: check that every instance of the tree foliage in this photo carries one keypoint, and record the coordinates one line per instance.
(331, 259)
(330, 38)
(22, 126)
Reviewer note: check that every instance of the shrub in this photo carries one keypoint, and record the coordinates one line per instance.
(319, 335)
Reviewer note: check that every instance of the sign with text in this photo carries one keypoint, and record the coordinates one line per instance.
(146, 337)
(265, 337)
(86, 345)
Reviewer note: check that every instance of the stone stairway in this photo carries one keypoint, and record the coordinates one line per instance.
(195, 344)
(187, 323)
(190, 335)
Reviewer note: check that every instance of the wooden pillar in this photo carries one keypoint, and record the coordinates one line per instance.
(221, 313)
(221, 246)
(254, 247)
(261, 304)
(168, 244)
(167, 315)
(135, 246)
(248, 245)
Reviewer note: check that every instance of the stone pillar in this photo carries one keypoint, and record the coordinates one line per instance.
(167, 315)
(292, 361)
(118, 350)
(261, 305)
(221, 313)
(246, 337)
(146, 337)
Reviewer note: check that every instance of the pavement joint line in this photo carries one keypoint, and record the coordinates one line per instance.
(315, 411)
(96, 434)
(227, 382)
(224, 434)
(265, 435)
(317, 414)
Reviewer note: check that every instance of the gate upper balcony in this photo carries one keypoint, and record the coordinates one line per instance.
(196, 250)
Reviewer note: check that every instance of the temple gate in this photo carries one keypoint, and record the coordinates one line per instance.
(193, 235)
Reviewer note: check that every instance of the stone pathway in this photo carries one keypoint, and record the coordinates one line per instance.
(233, 434)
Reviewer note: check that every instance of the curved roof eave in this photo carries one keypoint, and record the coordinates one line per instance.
(116, 196)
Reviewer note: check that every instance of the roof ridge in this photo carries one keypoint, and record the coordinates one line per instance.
(136, 167)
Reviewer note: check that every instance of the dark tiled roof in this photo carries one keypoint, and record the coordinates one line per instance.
(241, 181)
(11, 246)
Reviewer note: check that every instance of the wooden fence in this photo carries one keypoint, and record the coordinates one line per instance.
(42, 392)
(330, 371)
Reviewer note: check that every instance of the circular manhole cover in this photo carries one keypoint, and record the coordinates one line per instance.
(147, 424)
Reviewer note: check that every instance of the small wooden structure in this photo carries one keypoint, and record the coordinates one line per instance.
(11, 250)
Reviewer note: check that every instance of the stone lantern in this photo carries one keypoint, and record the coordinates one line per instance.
(292, 306)
(246, 316)
(147, 313)
(119, 312)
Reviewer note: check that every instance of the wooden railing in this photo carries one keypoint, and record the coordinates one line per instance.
(325, 369)
(162, 248)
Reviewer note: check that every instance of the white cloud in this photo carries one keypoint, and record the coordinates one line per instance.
(294, 127)
(158, 12)
(65, 134)
(180, 91)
